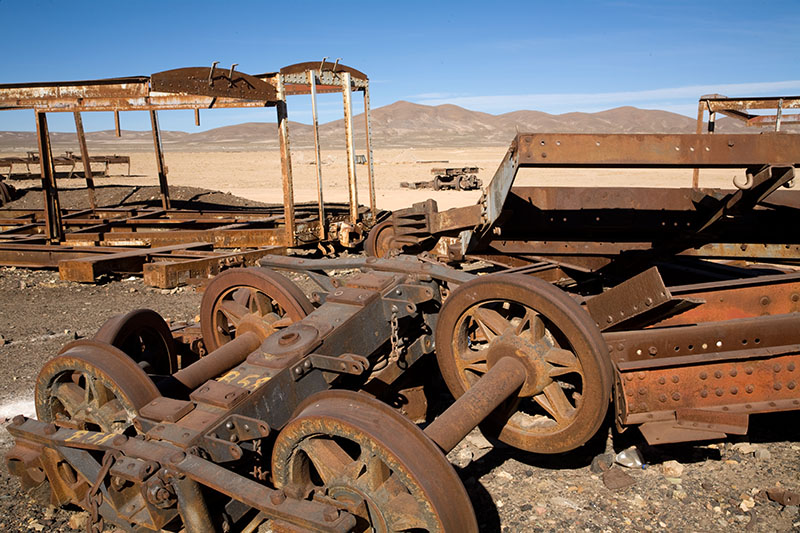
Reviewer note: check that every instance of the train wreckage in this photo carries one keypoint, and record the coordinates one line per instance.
(541, 308)
(170, 244)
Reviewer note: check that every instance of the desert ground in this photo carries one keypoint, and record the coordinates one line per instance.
(717, 486)
(256, 175)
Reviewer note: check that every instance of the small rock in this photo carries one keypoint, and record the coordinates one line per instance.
(22, 284)
(502, 476)
(479, 441)
(558, 501)
(762, 455)
(601, 463)
(132, 290)
(464, 457)
(673, 480)
(78, 521)
(747, 504)
(616, 479)
(745, 448)
(672, 469)
(36, 526)
(2, 340)
(679, 494)
(539, 510)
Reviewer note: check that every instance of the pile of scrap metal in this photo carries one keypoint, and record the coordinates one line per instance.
(674, 307)
(457, 179)
(173, 245)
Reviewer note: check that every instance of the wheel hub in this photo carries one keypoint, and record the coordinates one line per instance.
(531, 354)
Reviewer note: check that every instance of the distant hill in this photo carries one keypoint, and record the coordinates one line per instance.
(401, 124)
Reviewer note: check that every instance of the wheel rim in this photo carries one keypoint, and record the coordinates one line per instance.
(362, 456)
(237, 293)
(379, 240)
(92, 386)
(565, 396)
(145, 337)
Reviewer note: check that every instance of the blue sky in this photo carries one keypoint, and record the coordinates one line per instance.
(496, 58)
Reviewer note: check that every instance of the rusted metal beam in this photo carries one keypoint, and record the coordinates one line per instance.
(368, 140)
(349, 143)
(657, 150)
(160, 165)
(54, 228)
(286, 164)
(87, 269)
(166, 272)
(312, 83)
(87, 164)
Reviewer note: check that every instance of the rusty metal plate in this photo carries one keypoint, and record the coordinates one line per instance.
(302, 68)
(747, 386)
(657, 150)
(219, 394)
(208, 81)
(697, 343)
(640, 294)
(166, 409)
(772, 295)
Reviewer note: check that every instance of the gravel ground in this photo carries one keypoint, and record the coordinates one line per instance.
(692, 487)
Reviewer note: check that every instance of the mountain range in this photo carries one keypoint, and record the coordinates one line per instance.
(398, 125)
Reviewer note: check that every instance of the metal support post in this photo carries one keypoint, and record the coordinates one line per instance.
(87, 166)
(286, 162)
(701, 107)
(52, 208)
(162, 168)
(351, 156)
(312, 82)
(117, 130)
(370, 169)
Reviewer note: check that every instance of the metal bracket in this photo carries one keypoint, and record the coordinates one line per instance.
(347, 363)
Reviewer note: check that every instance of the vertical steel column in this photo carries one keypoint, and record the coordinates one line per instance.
(312, 82)
(52, 208)
(701, 106)
(351, 156)
(162, 168)
(370, 169)
(117, 130)
(87, 166)
(286, 163)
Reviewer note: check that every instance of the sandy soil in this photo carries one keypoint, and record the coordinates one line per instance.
(257, 175)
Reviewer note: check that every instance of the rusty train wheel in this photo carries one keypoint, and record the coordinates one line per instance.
(361, 455)
(145, 337)
(92, 386)
(566, 393)
(238, 292)
(379, 239)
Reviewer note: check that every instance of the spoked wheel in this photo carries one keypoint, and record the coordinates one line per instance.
(145, 337)
(92, 386)
(362, 456)
(566, 392)
(239, 292)
(379, 239)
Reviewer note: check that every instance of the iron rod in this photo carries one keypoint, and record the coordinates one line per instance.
(87, 166)
(312, 82)
(492, 389)
(351, 156)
